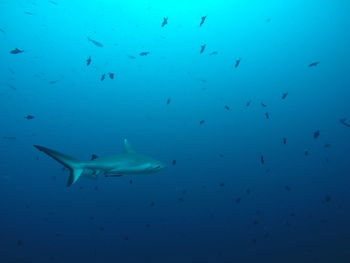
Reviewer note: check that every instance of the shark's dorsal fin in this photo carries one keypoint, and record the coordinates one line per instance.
(127, 147)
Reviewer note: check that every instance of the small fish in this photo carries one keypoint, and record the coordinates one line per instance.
(93, 157)
(103, 76)
(344, 122)
(96, 43)
(53, 82)
(213, 53)
(227, 107)
(16, 51)
(267, 115)
(180, 199)
(29, 13)
(263, 104)
(314, 64)
(221, 155)
(9, 137)
(111, 75)
(327, 199)
(316, 134)
(2, 31)
(53, 2)
(284, 140)
(248, 103)
(287, 188)
(327, 145)
(168, 101)
(306, 152)
(201, 122)
(238, 62)
(173, 162)
(29, 117)
(130, 182)
(131, 57)
(19, 243)
(202, 20)
(262, 159)
(222, 184)
(145, 53)
(247, 191)
(202, 48)
(238, 200)
(88, 61)
(284, 95)
(165, 21)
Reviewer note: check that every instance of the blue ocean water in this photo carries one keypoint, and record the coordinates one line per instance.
(254, 130)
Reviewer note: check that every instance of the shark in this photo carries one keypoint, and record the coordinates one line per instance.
(125, 163)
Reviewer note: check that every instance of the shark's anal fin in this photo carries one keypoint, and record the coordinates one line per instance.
(75, 167)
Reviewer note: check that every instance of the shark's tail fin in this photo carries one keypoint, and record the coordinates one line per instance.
(75, 166)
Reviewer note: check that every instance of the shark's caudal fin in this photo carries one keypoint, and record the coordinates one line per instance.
(75, 167)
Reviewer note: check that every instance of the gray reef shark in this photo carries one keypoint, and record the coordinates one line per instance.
(127, 162)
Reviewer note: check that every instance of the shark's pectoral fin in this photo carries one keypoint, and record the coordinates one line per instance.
(74, 175)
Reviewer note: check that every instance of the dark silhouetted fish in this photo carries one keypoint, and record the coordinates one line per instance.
(29, 117)
(19, 243)
(29, 13)
(51, 82)
(221, 155)
(131, 57)
(314, 64)
(267, 115)
(16, 51)
(238, 62)
(201, 122)
(344, 122)
(53, 2)
(9, 137)
(96, 43)
(248, 103)
(227, 107)
(145, 53)
(213, 53)
(262, 159)
(306, 152)
(168, 101)
(222, 184)
(202, 20)
(327, 145)
(165, 21)
(111, 75)
(284, 140)
(287, 188)
(263, 105)
(202, 48)
(130, 181)
(173, 162)
(2, 31)
(103, 76)
(238, 200)
(88, 61)
(316, 134)
(93, 157)
(327, 199)
(284, 95)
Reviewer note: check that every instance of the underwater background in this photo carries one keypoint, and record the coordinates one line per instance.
(246, 101)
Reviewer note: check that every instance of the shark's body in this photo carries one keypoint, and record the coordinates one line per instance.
(127, 162)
